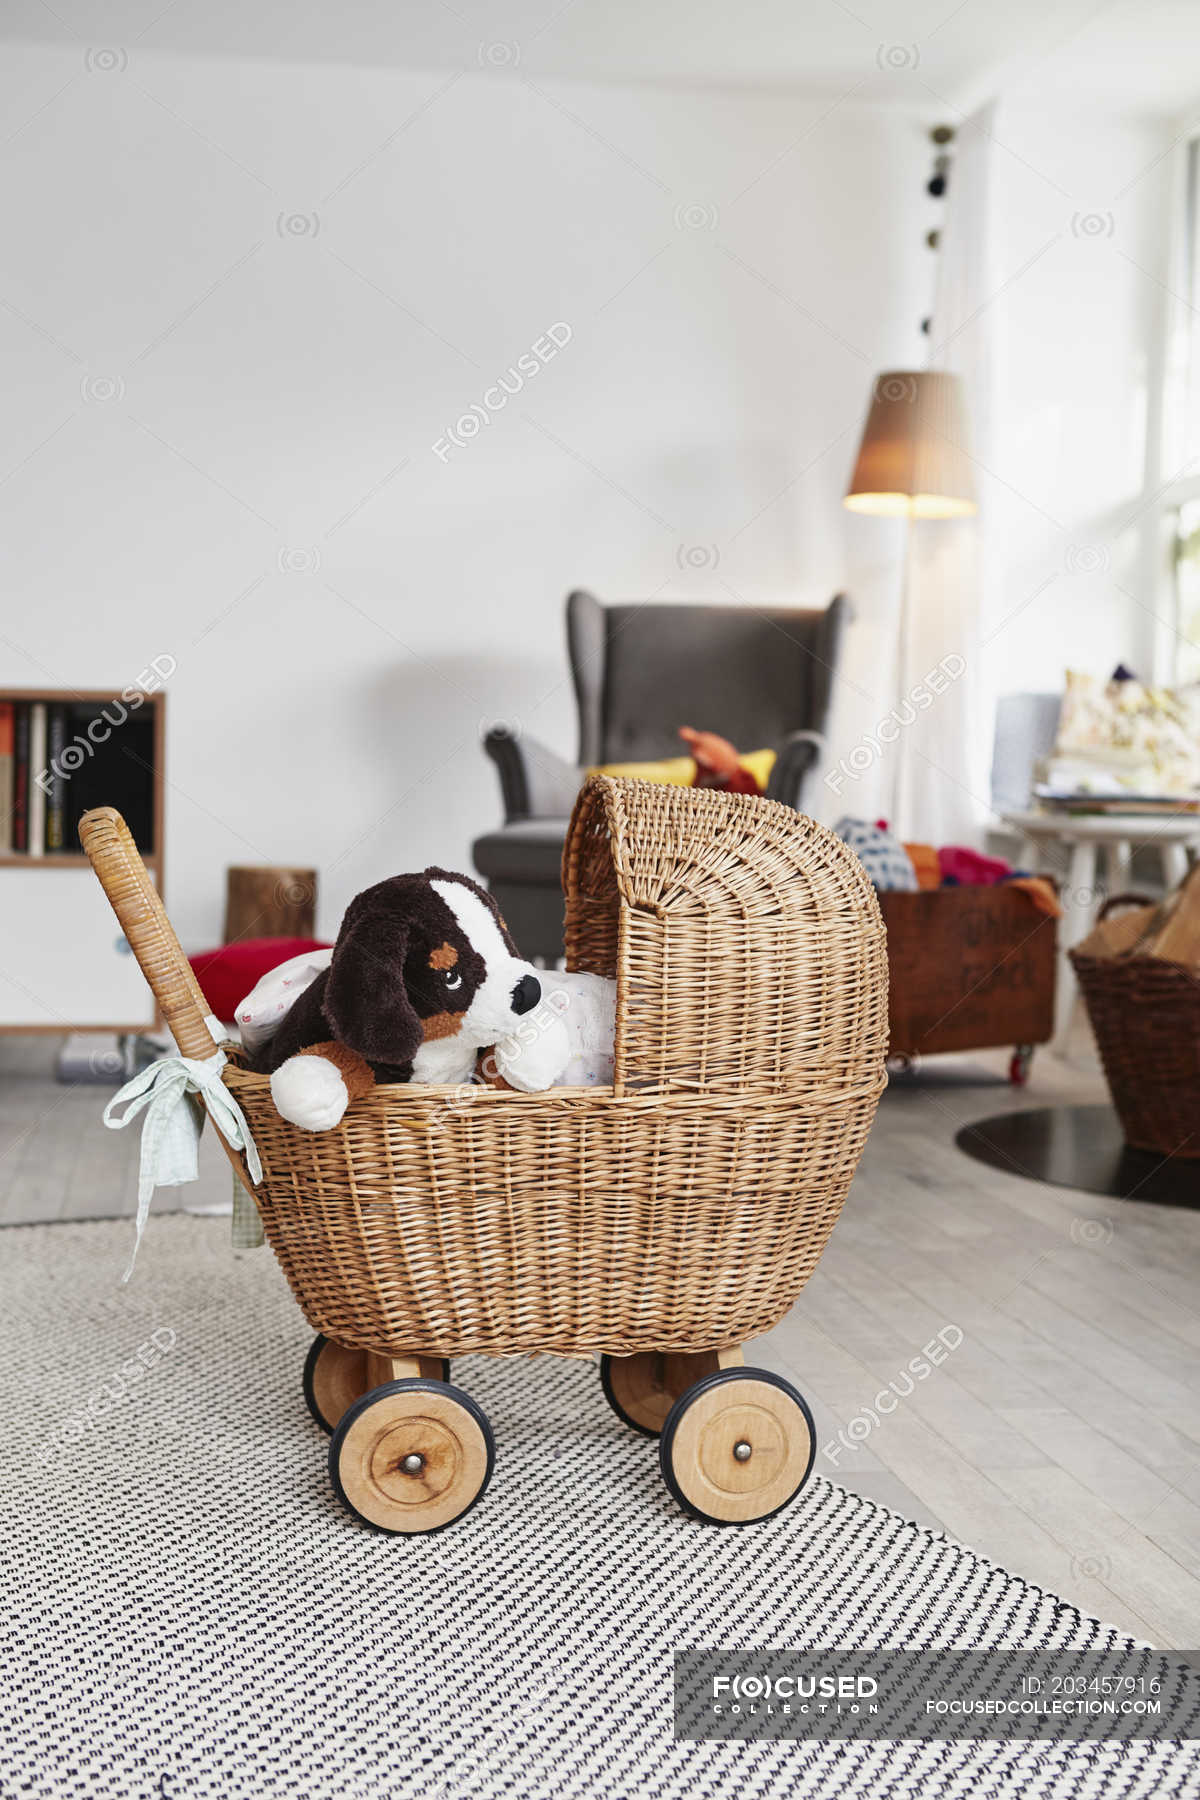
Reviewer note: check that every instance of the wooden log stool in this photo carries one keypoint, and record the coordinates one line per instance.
(270, 903)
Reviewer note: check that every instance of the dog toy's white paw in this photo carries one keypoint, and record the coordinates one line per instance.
(309, 1092)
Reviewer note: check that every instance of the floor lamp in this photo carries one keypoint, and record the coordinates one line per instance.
(912, 464)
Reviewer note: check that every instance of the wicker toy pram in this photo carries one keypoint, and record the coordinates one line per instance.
(660, 1223)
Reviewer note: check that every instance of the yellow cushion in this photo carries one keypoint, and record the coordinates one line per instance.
(760, 763)
(677, 771)
(673, 771)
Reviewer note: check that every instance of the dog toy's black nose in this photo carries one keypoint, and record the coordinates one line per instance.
(526, 994)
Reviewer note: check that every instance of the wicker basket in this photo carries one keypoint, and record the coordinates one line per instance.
(681, 1211)
(1145, 1015)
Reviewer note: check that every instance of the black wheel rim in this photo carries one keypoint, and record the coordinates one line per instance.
(676, 1413)
(412, 1385)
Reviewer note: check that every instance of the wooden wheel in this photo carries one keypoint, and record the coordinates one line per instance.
(737, 1447)
(336, 1376)
(412, 1455)
(642, 1389)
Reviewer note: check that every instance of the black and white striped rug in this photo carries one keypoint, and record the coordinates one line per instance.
(186, 1612)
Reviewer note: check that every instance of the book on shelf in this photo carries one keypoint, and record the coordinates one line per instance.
(56, 779)
(20, 812)
(35, 792)
(6, 775)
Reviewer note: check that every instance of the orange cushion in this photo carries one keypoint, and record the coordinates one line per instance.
(924, 859)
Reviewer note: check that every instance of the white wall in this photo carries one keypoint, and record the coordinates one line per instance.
(1083, 213)
(290, 281)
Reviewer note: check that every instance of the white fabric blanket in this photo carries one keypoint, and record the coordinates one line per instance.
(260, 1014)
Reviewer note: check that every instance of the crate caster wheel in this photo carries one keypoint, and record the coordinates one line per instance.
(1019, 1064)
(336, 1376)
(737, 1447)
(412, 1456)
(642, 1389)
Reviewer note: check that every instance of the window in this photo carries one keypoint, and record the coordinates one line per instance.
(1178, 658)
(1186, 657)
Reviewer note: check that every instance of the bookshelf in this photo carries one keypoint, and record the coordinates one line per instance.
(63, 966)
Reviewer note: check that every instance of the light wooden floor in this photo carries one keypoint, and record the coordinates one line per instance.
(1061, 1437)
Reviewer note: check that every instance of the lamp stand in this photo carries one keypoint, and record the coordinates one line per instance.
(899, 795)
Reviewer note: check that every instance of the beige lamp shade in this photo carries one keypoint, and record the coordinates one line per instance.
(912, 461)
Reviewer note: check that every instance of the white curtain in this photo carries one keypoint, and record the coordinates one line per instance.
(946, 752)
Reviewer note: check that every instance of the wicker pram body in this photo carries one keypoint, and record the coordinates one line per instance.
(681, 1210)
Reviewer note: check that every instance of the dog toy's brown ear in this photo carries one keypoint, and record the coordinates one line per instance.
(365, 998)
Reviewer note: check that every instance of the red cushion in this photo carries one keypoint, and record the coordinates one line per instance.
(228, 974)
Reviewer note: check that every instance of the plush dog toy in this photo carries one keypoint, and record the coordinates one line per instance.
(424, 975)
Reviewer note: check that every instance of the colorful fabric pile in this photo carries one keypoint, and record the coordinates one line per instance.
(910, 868)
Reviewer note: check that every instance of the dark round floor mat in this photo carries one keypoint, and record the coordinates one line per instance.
(1081, 1147)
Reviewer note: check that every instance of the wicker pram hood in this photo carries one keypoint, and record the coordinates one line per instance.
(745, 938)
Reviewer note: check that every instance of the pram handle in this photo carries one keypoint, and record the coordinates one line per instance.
(138, 905)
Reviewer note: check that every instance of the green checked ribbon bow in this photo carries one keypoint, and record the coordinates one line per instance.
(171, 1128)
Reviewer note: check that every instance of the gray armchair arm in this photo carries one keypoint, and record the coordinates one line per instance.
(795, 762)
(535, 783)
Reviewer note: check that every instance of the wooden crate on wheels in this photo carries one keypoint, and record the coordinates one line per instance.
(659, 1223)
(969, 968)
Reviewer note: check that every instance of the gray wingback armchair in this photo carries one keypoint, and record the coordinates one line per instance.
(760, 678)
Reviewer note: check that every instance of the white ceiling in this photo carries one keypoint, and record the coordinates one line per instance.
(1126, 55)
